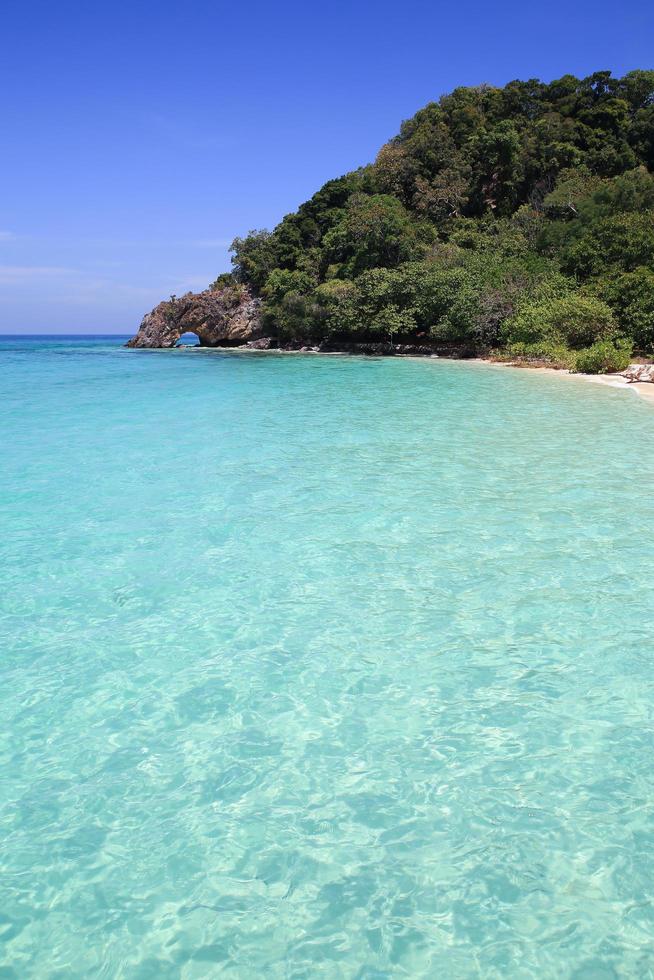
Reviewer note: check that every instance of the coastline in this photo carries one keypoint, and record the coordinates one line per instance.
(644, 390)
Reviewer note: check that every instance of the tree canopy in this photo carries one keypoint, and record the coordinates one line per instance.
(517, 218)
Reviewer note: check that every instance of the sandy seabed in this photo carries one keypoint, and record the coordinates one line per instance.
(643, 389)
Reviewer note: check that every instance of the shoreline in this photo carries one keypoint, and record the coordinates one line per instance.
(644, 390)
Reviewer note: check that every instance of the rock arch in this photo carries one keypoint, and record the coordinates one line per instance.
(188, 339)
(228, 317)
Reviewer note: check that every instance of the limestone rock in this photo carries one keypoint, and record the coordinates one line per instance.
(227, 317)
(263, 343)
(639, 372)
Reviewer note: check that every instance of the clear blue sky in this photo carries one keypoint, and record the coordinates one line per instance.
(140, 138)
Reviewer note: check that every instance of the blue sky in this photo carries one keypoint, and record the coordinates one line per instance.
(140, 138)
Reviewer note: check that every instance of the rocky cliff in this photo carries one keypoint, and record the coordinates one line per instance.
(226, 317)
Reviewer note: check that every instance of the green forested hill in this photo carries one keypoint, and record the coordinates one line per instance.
(519, 219)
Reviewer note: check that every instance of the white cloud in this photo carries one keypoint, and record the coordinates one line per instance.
(131, 243)
(140, 243)
(10, 274)
(62, 284)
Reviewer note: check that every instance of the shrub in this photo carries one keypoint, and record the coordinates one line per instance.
(574, 321)
(554, 355)
(604, 357)
(631, 295)
(390, 322)
(224, 280)
(280, 282)
(621, 241)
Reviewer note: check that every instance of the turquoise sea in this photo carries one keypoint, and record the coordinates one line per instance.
(322, 667)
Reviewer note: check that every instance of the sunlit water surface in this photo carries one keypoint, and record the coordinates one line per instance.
(322, 667)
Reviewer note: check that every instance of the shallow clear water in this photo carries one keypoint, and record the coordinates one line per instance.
(322, 666)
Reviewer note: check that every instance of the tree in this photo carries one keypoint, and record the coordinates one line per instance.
(520, 216)
(631, 296)
(575, 320)
(254, 257)
(376, 231)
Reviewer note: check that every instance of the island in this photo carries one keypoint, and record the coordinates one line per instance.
(514, 222)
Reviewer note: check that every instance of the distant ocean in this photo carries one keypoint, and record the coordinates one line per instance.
(322, 666)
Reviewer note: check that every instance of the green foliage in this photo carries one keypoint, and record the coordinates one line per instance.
(254, 257)
(631, 296)
(574, 321)
(543, 352)
(604, 357)
(375, 231)
(281, 282)
(376, 305)
(521, 215)
(391, 322)
(223, 281)
(622, 242)
(572, 187)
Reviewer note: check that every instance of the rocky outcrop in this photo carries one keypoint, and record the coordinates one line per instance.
(231, 317)
(228, 317)
(639, 372)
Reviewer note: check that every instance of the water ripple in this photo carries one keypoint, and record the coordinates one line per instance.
(322, 667)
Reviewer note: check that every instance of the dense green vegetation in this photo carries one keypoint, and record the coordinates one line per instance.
(518, 219)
